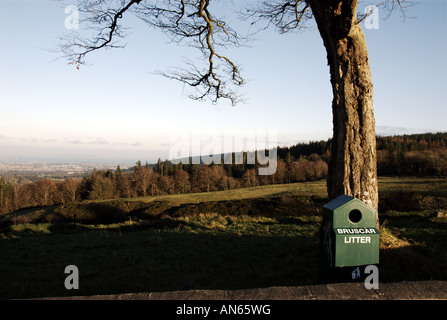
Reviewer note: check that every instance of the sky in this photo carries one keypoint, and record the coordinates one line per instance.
(117, 109)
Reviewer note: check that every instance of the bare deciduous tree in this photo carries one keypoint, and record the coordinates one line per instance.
(44, 190)
(144, 177)
(181, 180)
(69, 189)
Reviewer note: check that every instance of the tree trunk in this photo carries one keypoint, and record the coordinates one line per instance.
(353, 164)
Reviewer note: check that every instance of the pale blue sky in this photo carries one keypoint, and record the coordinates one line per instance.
(117, 110)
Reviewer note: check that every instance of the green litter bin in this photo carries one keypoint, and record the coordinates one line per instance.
(349, 240)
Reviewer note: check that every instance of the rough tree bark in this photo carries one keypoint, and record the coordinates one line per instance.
(353, 165)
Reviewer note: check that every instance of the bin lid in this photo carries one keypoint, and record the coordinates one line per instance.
(338, 202)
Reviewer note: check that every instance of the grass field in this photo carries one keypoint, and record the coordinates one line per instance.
(245, 238)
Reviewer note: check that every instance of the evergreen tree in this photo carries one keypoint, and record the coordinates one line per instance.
(118, 172)
(138, 166)
(159, 167)
(3, 208)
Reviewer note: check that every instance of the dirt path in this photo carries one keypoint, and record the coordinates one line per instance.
(418, 290)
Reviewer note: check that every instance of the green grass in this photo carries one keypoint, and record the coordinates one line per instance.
(301, 188)
(246, 238)
(169, 254)
(386, 185)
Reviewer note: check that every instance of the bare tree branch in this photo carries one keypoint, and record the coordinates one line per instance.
(363, 16)
(403, 5)
(192, 23)
(105, 23)
(290, 15)
(186, 22)
(285, 15)
(389, 6)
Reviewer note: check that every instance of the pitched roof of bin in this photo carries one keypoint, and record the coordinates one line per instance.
(338, 202)
(343, 200)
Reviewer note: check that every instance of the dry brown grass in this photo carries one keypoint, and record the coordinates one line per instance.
(389, 241)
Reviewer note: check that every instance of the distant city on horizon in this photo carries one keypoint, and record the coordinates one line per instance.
(85, 164)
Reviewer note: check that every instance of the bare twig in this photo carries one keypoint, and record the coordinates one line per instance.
(105, 21)
(285, 15)
(187, 22)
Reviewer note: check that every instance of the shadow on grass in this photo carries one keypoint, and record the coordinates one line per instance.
(166, 254)
(410, 264)
(152, 259)
(425, 255)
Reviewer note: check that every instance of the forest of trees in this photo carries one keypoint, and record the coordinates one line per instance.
(424, 154)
